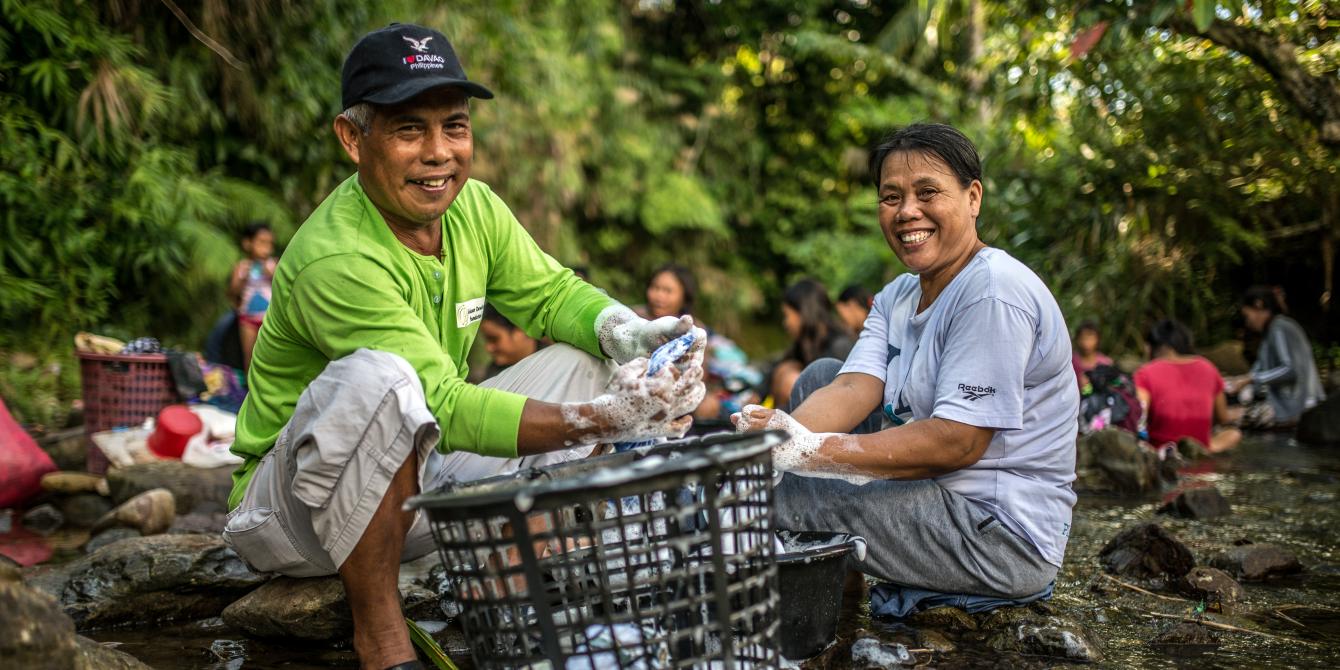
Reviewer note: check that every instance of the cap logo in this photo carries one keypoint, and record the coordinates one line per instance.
(418, 45)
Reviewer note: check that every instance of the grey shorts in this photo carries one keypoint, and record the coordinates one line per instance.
(313, 494)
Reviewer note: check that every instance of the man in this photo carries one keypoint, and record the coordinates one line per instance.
(505, 343)
(357, 393)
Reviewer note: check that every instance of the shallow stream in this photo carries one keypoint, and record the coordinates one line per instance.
(1281, 493)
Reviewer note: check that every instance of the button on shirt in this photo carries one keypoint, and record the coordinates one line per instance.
(345, 282)
(992, 351)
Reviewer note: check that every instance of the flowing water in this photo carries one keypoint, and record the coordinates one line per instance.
(1281, 493)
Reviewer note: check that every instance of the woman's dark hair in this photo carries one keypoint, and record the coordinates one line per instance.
(857, 294)
(936, 139)
(686, 282)
(1087, 326)
(818, 324)
(492, 314)
(1171, 334)
(1262, 297)
(255, 228)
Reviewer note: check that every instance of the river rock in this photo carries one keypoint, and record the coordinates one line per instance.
(1211, 584)
(287, 607)
(935, 641)
(74, 482)
(68, 449)
(1053, 636)
(1146, 552)
(1251, 562)
(82, 510)
(150, 513)
(1205, 503)
(34, 632)
(944, 618)
(107, 537)
(868, 652)
(10, 570)
(43, 519)
(1321, 424)
(1114, 460)
(148, 579)
(1191, 449)
(193, 489)
(200, 522)
(1186, 633)
(93, 655)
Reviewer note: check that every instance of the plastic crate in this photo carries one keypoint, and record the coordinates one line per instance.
(658, 557)
(121, 390)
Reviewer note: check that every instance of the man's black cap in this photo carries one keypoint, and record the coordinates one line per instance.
(400, 61)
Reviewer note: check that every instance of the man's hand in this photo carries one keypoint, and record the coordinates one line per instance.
(636, 406)
(625, 336)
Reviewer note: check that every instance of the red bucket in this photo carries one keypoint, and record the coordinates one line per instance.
(176, 425)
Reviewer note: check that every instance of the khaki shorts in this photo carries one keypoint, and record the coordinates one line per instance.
(314, 493)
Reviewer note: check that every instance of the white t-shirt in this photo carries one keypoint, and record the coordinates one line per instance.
(992, 351)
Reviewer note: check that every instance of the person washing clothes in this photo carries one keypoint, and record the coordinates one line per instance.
(249, 285)
(358, 395)
(1285, 372)
(947, 439)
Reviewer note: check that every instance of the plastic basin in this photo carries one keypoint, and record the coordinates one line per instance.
(811, 575)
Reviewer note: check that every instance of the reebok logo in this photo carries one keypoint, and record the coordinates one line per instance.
(976, 393)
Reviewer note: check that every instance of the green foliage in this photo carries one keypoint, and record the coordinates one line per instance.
(730, 136)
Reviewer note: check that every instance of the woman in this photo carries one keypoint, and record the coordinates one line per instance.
(853, 306)
(807, 318)
(1182, 393)
(1087, 357)
(1284, 369)
(967, 487)
(671, 291)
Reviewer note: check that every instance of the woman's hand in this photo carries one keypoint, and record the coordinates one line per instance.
(800, 453)
(1234, 384)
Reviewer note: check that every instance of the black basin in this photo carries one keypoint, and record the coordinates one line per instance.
(810, 575)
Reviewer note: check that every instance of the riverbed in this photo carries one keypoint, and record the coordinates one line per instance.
(1281, 493)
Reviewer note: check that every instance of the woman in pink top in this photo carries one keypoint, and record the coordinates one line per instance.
(1086, 355)
(1182, 393)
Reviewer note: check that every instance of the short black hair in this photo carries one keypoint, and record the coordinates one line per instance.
(858, 294)
(491, 314)
(255, 228)
(1262, 297)
(1171, 334)
(937, 139)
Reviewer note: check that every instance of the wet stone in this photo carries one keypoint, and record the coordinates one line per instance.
(1252, 562)
(1191, 449)
(1211, 585)
(1206, 503)
(1186, 633)
(1114, 460)
(109, 536)
(148, 579)
(945, 618)
(1053, 636)
(199, 522)
(868, 652)
(227, 650)
(935, 641)
(193, 489)
(1146, 552)
(94, 655)
(43, 519)
(34, 632)
(82, 510)
(287, 607)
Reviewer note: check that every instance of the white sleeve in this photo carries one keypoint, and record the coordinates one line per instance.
(981, 377)
(870, 355)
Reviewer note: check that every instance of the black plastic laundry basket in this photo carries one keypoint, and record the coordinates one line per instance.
(652, 558)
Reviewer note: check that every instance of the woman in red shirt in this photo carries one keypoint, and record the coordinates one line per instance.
(1182, 393)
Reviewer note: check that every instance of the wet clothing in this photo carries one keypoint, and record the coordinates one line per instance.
(992, 351)
(312, 495)
(1181, 398)
(919, 534)
(1286, 370)
(346, 283)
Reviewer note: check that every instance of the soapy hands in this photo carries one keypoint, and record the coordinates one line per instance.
(800, 454)
(635, 406)
(624, 335)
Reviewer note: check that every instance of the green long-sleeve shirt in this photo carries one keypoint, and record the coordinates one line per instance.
(345, 282)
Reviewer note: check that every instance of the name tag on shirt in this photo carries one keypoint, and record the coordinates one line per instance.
(469, 312)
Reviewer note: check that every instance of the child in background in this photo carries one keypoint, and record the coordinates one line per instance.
(1086, 355)
(249, 286)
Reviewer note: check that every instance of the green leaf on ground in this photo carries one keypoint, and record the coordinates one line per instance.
(429, 646)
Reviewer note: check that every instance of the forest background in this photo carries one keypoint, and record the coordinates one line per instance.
(1146, 158)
